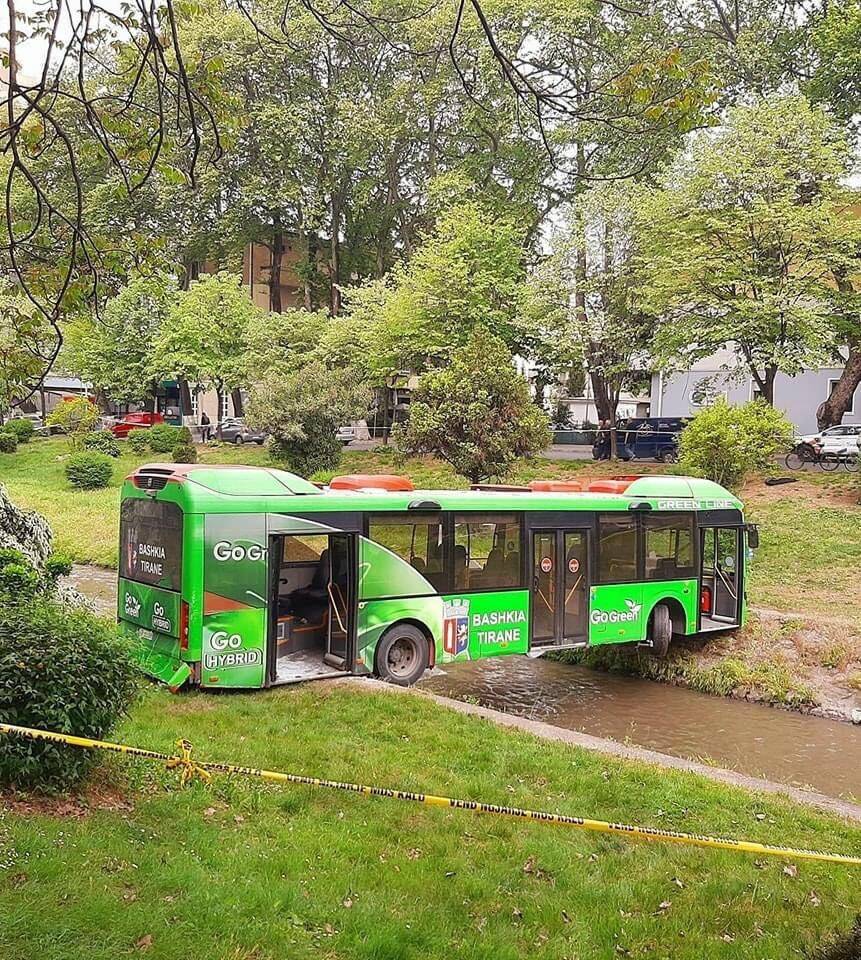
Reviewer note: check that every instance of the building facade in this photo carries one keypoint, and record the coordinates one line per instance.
(685, 394)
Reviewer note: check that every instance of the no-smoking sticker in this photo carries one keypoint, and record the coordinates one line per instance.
(573, 565)
(546, 564)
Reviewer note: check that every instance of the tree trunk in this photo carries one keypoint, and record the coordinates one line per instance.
(149, 402)
(605, 404)
(238, 405)
(277, 249)
(830, 413)
(335, 259)
(102, 400)
(219, 399)
(185, 404)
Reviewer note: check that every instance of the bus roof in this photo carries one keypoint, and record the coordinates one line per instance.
(205, 488)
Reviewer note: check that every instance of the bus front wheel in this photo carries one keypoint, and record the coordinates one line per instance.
(402, 655)
(660, 630)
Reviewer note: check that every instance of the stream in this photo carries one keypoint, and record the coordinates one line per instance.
(752, 738)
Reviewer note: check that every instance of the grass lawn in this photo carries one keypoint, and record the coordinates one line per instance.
(244, 871)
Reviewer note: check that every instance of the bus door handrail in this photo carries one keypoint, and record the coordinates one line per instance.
(335, 606)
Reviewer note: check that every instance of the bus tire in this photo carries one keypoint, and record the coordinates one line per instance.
(660, 630)
(402, 655)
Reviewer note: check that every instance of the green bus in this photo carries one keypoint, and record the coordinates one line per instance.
(250, 577)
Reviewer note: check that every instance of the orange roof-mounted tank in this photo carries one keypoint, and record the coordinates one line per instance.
(613, 485)
(371, 481)
(556, 486)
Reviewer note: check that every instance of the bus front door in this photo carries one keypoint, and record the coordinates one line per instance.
(560, 587)
(721, 560)
(341, 589)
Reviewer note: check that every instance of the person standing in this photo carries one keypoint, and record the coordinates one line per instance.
(205, 427)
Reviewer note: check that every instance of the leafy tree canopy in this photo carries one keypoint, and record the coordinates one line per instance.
(476, 413)
(743, 243)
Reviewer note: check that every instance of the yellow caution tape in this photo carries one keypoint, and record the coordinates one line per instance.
(201, 769)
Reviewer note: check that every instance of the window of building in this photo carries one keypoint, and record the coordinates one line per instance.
(832, 383)
(617, 549)
(486, 552)
(195, 406)
(417, 540)
(669, 547)
(225, 406)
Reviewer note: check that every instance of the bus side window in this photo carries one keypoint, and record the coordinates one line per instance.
(416, 540)
(617, 549)
(669, 547)
(486, 552)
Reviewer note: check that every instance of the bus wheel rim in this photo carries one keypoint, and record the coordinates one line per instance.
(402, 656)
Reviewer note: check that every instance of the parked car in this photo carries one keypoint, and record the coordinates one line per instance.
(346, 433)
(845, 436)
(646, 438)
(236, 430)
(135, 421)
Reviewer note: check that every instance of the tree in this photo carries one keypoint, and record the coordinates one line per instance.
(725, 443)
(584, 303)
(114, 351)
(743, 244)
(302, 409)
(204, 337)
(25, 339)
(77, 416)
(468, 272)
(476, 413)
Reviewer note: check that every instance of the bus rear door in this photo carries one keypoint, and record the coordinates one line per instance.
(560, 587)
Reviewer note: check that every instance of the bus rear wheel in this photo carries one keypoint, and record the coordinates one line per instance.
(660, 630)
(402, 655)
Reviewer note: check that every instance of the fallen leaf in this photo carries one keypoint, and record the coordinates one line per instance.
(790, 870)
(728, 938)
(145, 942)
(414, 854)
(678, 883)
(760, 816)
(565, 917)
(209, 811)
(347, 903)
(664, 905)
(814, 900)
(238, 818)
(517, 913)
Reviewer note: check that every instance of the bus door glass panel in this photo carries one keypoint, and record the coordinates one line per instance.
(340, 588)
(544, 576)
(575, 623)
(709, 538)
(726, 573)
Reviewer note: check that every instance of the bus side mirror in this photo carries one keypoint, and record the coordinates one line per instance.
(752, 536)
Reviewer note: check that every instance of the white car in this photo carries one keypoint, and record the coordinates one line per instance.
(834, 439)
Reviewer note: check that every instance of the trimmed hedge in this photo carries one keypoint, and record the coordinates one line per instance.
(22, 428)
(61, 668)
(138, 439)
(103, 441)
(8, 442)
(89, 470)
(163, 437)
(184, 453)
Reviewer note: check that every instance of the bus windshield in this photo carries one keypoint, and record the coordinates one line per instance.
(151, 543)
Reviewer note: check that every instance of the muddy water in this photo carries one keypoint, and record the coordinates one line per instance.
(754, 739)
(98, 585)
(751, 738)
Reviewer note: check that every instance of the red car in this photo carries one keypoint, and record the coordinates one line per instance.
(135, 421)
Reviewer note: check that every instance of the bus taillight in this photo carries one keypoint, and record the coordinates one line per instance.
(183, 625)
(706, 600)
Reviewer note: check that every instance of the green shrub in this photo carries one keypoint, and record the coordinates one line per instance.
(89, 470)
(138, 439)
(56, 566)
(163, 437)
(725, 443)
(103, 441)
(76, 417)
(22, 428)
(184, 453)
(184, 436)
(61, 668)
(8, 442)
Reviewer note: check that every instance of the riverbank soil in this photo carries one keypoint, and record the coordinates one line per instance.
(239, 869)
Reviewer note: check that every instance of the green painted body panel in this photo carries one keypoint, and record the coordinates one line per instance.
(229, 515)
(619, 613)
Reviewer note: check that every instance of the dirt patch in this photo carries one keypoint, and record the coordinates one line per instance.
(74, 806)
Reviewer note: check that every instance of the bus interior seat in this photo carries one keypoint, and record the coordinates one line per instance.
(311, 602)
